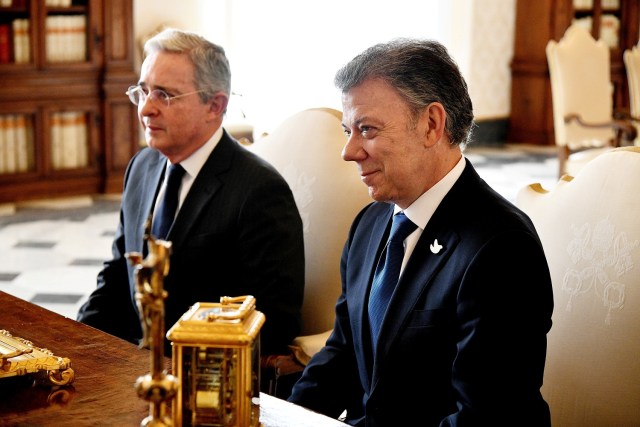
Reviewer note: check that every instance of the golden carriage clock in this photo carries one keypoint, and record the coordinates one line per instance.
(216, 355)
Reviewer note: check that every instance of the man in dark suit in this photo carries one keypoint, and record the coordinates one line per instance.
(237, 230)
(463, 339)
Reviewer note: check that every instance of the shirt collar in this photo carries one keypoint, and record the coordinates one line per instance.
(422, 209)
(194, 162)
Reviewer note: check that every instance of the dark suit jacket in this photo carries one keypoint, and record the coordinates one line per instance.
(238, 232)
(464, 340)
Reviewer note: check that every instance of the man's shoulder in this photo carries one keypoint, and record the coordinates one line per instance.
(144, 155)
(142, 162)
(370, 215)
(250, 163)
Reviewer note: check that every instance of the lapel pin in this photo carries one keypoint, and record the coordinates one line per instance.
(435, 246)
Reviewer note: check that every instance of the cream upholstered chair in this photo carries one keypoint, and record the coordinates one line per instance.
(590, 232)
(306, 150)
(582, 99)
(632, 64)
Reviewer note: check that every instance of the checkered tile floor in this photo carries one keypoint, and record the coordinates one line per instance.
(51, 251)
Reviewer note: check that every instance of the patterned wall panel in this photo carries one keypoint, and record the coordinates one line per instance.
(489, 74)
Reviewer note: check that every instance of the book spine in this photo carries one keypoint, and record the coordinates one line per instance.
(52, 38)
(31, 160)
(21, 46)
(3, 138)
(56, 141)
(79, 39)
(22, 148)
(5, 44)
(69, 143)
(10, 144)
(82, 139)
(26, 44)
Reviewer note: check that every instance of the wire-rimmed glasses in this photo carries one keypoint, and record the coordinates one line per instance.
(137, 95)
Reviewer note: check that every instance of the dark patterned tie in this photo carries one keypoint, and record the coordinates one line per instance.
(388, 272)
(169, 204)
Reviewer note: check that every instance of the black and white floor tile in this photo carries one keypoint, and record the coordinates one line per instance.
(51, 251)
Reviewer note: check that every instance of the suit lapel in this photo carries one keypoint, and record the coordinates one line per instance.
(366, 260)
(424, 264)
(415, 279)
(204, 187)
(150, 184)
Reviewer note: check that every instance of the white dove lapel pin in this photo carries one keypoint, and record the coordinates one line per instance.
(435, 247)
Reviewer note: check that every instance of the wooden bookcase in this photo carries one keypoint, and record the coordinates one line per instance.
(537, 22)
(66, 126)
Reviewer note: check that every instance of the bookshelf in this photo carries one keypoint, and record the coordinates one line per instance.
(66, 127)
(614, 21)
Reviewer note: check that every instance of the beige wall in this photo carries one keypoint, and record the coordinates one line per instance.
(480, 36)
(149, 14)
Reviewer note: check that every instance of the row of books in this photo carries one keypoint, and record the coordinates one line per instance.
(588, 4)
(66, 38)
(13, 3)
(48, 3)
(57, 3)
(69, 142)
(16, 143)
(609, 28)
(65, 35)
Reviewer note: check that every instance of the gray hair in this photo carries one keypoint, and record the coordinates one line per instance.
(422, 72)
(212, 71)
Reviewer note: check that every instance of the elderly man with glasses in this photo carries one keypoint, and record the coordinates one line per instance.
(236, 231)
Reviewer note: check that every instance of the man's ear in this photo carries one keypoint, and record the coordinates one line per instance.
(218, 103)
(435, 119)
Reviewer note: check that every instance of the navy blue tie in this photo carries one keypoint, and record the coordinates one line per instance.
(388, 272)
(169, 204)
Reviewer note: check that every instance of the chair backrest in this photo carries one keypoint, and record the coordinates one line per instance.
(306, 149)
(580, 76)
(632, 64)
(590, 230)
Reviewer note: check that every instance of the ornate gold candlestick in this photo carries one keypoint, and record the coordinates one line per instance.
(157, 387)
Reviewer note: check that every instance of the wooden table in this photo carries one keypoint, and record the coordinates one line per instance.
(106, 369)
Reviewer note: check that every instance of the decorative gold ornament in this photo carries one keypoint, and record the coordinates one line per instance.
(158, 387)
(19, 356)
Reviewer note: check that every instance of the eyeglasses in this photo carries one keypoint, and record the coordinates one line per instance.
(137, 95)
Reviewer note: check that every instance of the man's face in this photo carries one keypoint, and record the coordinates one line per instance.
(185, 125)
(391, 152)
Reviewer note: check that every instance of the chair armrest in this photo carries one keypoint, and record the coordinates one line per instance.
(625, 130)
(278, 374)
(280, 371)
(306, 346)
